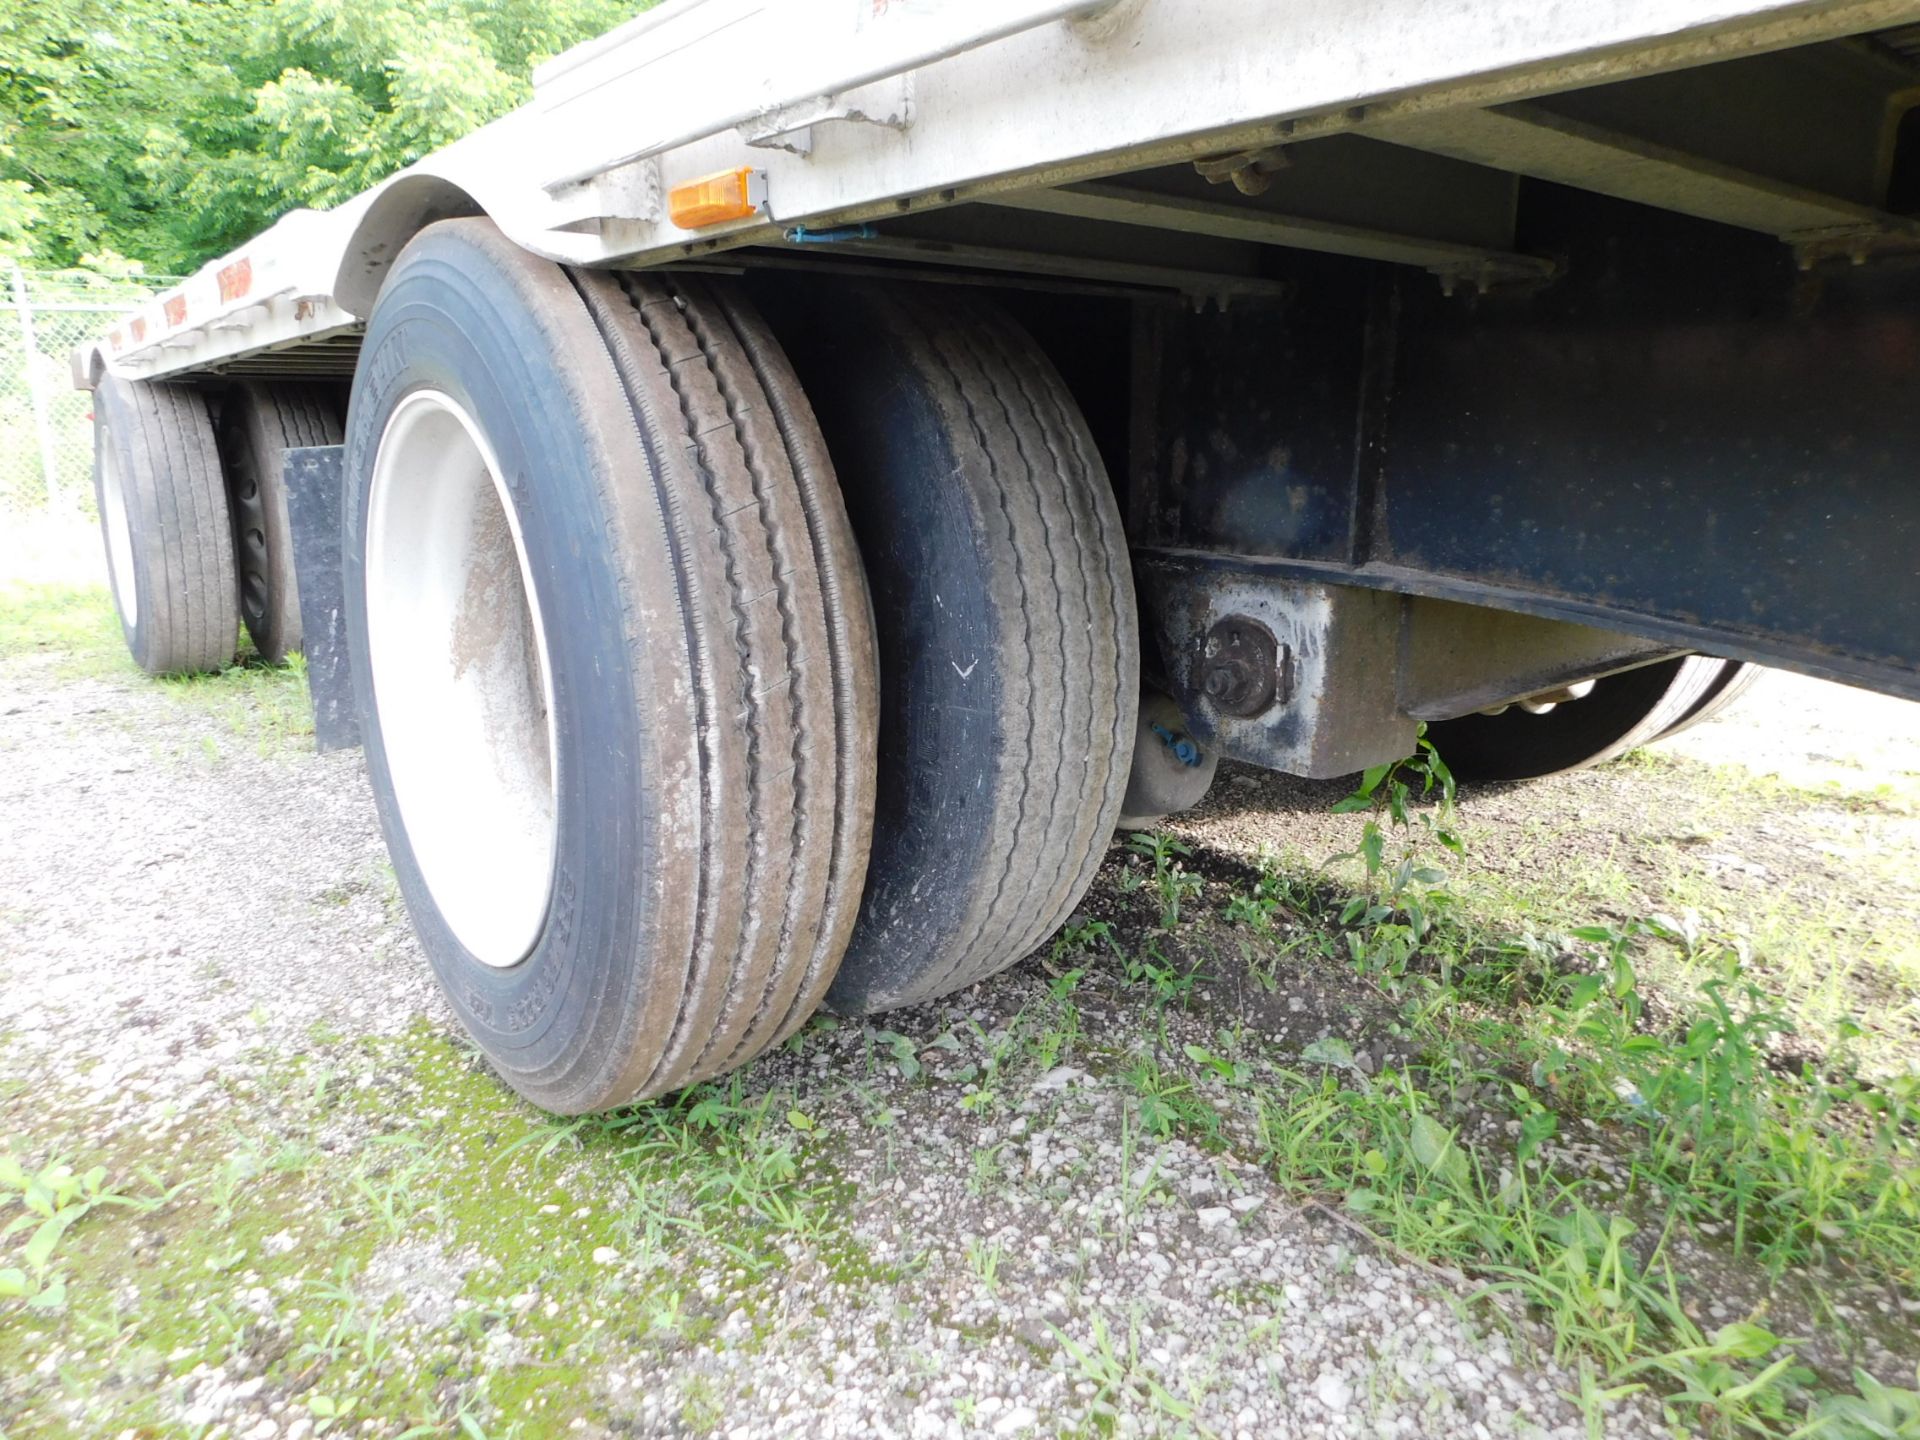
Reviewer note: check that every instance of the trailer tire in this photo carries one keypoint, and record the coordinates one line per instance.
(657, 614)
(163, 515)
(1009, 649)
(1623, 712)
(259, 423)
(1734, 679)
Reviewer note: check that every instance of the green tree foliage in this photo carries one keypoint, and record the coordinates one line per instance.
(168, 131)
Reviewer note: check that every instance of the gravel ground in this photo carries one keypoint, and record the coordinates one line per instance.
(203, 959)
(165, 878)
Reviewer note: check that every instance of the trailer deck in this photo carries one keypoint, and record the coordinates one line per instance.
(1058, 138)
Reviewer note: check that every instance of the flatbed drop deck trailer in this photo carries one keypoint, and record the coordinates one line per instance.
(820, 465)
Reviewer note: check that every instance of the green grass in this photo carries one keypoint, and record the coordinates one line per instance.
(262, 707)
(77, 623)
(702, 1200)
(593, 1243)
(1736, 785)
(1831, 958)
(1700, 1039)
(1807, 1177)
(1804, 1172)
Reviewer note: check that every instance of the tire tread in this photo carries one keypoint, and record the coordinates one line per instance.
(178, 519)
(1067, 624)
(260, 419)
(772, 674)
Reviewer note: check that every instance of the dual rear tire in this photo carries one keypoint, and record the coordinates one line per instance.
(259, 422)
(614, 665)
(626, 707)
(194, 515)
(1009, 651)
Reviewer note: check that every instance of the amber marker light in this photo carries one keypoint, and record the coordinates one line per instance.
(715, 199)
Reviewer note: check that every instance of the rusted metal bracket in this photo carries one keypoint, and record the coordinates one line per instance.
(887, 103)
(1321, 679)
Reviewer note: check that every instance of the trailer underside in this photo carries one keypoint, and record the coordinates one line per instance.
(1612, 321)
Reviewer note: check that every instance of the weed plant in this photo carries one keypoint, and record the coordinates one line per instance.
(1718, 1132)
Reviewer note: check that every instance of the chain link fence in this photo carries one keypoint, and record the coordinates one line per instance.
(46, 429)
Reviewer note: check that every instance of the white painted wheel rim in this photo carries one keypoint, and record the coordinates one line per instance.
(461, 679)
(113, 516)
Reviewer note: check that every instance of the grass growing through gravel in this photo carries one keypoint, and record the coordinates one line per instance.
(1595, 1153)
(1648, 1127)
(1827, 924)
(264, 707)
(455, 1268)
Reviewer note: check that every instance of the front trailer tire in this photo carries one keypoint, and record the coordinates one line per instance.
(163, 516)
(648, 683)
(1622, 712)
(1727, 681)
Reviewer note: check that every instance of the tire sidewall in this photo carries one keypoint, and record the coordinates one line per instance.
(449, 319)
(1516, 746)
(254, 440)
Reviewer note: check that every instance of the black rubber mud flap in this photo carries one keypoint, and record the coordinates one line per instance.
(312, 477)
